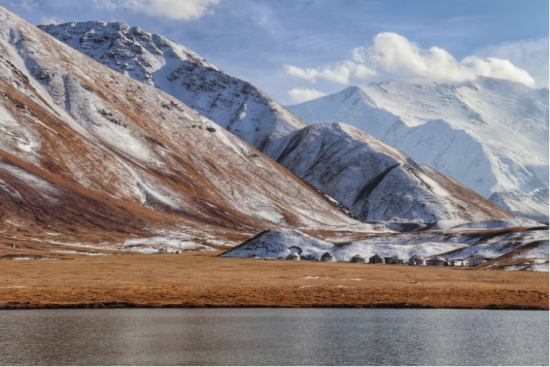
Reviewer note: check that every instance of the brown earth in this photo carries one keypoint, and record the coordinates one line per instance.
(204, 280)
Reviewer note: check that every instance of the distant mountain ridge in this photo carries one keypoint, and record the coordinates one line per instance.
(489, 134)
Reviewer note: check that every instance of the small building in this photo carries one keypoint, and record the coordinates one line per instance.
(377, 259)
(436, 261)
(293, 256)
(418, 260)
(162, 251)
(327, 256)
(473, 260)
(358, 259)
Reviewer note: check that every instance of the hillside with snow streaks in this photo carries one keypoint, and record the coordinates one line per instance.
(532, 205)
(490, 135)
(178, 71)
(81, 144)
(152, 59)
(376, 181)
(514, 243)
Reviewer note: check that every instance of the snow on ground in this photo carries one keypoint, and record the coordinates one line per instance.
(540, 251)
(539, 267)
(500, 245)
(153, 244)
(86, 253)
(496, 224)
(279, 243)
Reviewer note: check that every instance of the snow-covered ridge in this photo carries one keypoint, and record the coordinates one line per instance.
(490, 135)
(155, 60)
(151, 59)
(376, 181)
(532, 205)
(80, 142)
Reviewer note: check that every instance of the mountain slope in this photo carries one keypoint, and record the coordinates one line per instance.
(533, 205)
(155, 60)
(490, 135)
(152, 59)
(377, 181)
(83, 143)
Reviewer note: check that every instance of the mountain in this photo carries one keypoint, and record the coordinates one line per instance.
(83, 147)
(155, 60)
(490, 135)
(152, 59)
(376, 181)
(533, 205)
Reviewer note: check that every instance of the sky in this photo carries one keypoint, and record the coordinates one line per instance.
(298, 50)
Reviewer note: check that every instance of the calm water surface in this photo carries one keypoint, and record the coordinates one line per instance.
(273, 337)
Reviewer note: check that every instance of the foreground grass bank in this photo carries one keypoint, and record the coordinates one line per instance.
(204, 280)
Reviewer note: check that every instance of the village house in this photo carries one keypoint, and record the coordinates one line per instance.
(473, 260)
(327, 256)
(437, 261)
(377, 259)
(418, 260)
(358, 259)
(293, 256)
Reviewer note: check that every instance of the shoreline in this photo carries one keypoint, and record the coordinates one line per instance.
(127, 305)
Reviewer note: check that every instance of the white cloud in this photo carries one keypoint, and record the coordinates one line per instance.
(338, 73)
(531, 55)
(300, 95)
(172, 9)
(395, 55)
(48, 20)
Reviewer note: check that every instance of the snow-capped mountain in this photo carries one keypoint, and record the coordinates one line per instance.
(533, 205)
(152, 59)
(490, 135)
(84, 146)
(376, 181)
(157, 61)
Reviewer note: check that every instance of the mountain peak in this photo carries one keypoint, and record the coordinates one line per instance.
(232, 103)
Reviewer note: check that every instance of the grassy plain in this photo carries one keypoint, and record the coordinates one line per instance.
(201, 279)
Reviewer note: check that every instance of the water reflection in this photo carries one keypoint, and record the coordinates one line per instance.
(274, 337)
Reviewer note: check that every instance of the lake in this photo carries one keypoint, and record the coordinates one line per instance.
(273, 337)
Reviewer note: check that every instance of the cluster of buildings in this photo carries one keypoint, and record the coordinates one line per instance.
(473, 260)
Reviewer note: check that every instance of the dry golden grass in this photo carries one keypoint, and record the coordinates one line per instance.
(204, 280)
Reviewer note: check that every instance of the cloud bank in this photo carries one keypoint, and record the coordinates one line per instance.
(172, 9)
(300, 95)
(393, 54)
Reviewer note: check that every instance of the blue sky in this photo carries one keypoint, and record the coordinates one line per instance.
(295, 50)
